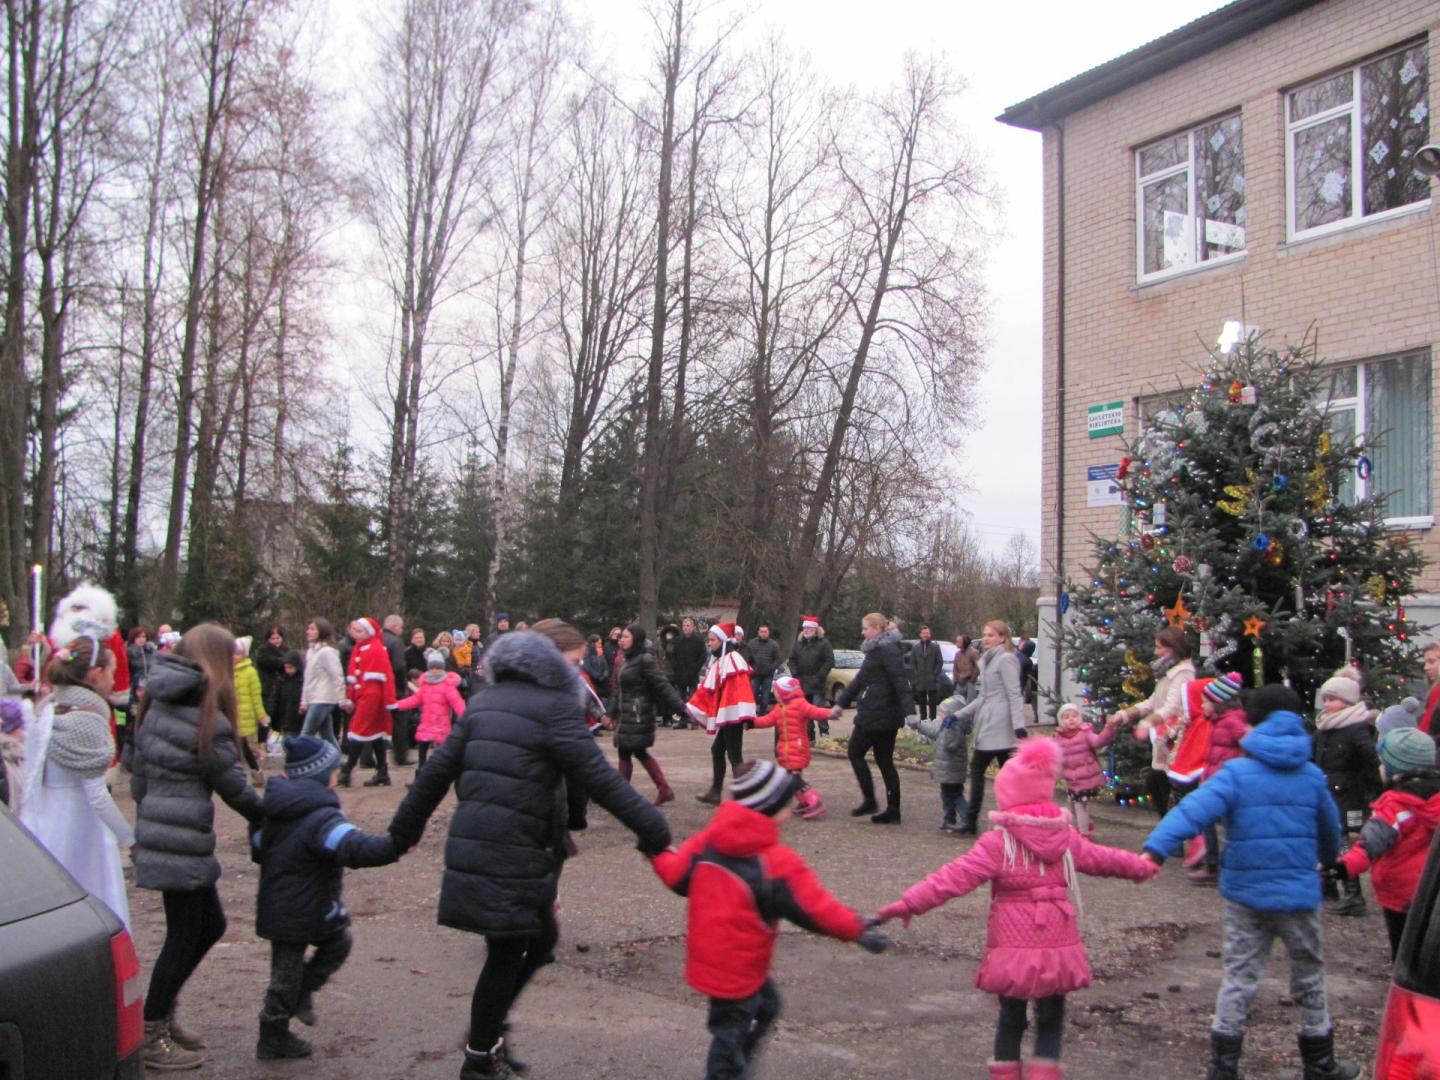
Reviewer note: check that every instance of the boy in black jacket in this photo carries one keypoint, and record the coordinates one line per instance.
(302, 849)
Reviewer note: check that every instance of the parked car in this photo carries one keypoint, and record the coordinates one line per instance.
(847, 663)
(1409, 1043)
(71, 999)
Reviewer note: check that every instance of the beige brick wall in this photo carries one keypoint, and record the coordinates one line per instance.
(1368, 291)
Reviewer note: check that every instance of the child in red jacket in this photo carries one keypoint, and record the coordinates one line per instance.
(790, 718)
(741, 881)
(1221, 698)
(1395, 841)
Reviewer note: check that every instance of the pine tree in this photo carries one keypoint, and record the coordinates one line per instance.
(339, 546)
(1241, 526)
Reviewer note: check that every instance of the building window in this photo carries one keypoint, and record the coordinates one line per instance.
(1190, 191)
(1352, 141)
(1385, 404)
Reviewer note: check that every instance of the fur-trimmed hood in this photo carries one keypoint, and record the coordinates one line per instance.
(1042, 828)
(530, 657)
(889, 637)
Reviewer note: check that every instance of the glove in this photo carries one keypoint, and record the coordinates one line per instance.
(912, 721)
(402, 843)
(897, 910)
(1337, 871)
(1021, 733)
(950, 721)
(872, 941)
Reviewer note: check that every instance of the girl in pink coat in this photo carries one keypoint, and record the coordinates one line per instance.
(1084, 778)
(1033, 950)
(437, 697)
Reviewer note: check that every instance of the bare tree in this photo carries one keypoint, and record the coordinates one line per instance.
(440, 87)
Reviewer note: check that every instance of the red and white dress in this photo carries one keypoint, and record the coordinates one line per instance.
(371, 686)
(724, 695)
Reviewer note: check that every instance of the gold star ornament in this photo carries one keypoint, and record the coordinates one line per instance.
(1253, 625)
(1179, 614)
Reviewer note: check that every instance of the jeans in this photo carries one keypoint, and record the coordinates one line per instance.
(760, 684)
(728, 743)
(862, 742)
(194, 921)
(1049, 1027)
(736, 1028)
(510, 962)
(1249, 935)
(293, 978)
(980, 761)
(320, 720)
(952, 803)
(817, 699)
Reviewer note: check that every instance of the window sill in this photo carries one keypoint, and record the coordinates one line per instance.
(1350, 225)
(1188, 271)
(1405, 524)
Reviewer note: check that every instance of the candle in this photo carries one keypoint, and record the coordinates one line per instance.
(37, 622)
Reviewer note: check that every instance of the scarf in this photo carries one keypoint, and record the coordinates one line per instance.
(80, 740)
(1346, 717)
(1160, 665)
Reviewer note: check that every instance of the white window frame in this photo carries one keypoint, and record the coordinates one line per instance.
(1356, 407)
(1351, 108)
(1187, 166)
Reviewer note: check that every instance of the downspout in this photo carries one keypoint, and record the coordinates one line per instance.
(1059, 402)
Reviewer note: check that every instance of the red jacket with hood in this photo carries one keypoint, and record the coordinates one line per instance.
(788, 718)
(1395, 841)
(741, 881)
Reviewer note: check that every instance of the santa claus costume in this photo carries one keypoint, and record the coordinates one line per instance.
(370, 693)
(724, 702)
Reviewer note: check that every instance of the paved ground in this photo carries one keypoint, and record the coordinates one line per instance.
(615, 1005)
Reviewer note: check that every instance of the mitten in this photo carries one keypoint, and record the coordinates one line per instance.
(872, 941)
(1337, 871)
(897, 910)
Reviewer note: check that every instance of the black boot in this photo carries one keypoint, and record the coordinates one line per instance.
(1352, 902)
(867, 807)
(1317, 1053)
(1225, 1056)
(507, 1049)
(891, 814)
(277, 1042)
(480, 1065)
(344, 778)
(305, 1011)
(380, 779)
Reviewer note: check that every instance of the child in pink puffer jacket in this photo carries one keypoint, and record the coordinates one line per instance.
(1033, 950)
(437, 696)
(1084, 778)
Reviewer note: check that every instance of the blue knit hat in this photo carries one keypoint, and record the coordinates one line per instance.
(307, 756)
(1406, 749)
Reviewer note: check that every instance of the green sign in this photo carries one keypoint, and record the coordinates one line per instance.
(1105, 419)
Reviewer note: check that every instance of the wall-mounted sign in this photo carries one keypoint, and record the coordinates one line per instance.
(1105, 419)
(1101, 487)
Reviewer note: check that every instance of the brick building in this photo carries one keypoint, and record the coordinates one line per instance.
(1254, 165)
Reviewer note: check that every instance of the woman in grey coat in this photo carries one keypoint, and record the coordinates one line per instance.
(998, 712)
(183, 754)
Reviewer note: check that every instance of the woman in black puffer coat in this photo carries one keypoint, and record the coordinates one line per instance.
(509, 758)
(633, 705)
(885, 700)
(182, 755)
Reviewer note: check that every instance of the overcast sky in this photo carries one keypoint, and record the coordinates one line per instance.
(1006, 52)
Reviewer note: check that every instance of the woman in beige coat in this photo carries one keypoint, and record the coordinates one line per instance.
(1156, 717)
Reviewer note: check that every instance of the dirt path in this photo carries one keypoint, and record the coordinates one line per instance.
(616, 1005)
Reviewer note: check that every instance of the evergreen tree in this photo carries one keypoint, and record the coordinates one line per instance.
(1241, 526)
(340, 549)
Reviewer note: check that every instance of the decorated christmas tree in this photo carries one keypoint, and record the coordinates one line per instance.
(1242, 527)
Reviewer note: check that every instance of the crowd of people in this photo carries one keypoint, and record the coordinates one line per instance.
(510, 722)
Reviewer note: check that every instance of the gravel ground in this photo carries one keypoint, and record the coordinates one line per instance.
(616, 1005)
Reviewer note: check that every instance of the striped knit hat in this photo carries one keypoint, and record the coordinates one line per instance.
(307, 756)
(1225, 689)
(763, 786)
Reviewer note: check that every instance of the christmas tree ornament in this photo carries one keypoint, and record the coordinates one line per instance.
(1279, 481)
(1123, 469)
(1237, 388)
(1178, 613)
(1182, 564)
(1297, 529)
(1257, 668)
(1253, 626)
(1275, 553)
(1364, 467)
(1261, 542)
(1375, 587)
(1147, 542)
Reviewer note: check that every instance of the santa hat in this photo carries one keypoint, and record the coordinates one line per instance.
(809, 622)
(725, 631)
(1029, 777)
(371, 627)
(88, 611)
(786, 687)
(1194, 699)
(1225, 689)
(738, 634)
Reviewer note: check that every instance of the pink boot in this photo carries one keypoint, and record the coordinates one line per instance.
(812, 807)
(1043, 1069)
(1004, 1070)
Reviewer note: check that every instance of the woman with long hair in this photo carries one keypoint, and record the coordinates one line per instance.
(1155, 718)
(885, 700)
(508, 760)
(323, 687)
(999, 711)
(183, 755)
(642, 693)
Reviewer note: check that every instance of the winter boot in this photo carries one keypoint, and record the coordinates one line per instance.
(163, 1054)
(507, 1051)
(480, 1065)
(305, 1011)
(277, 1042)
(1043, 1069)
(1225, 1056)
(710, 798)
(814, 808)
(1004, 1070)
(380, 779)
(663, 791)
(1351, 903)
(186, 1040)
(626, 767)
(867, 807)
(1204, 874)
(343, 780)
(891, 814)
(1317, 1053)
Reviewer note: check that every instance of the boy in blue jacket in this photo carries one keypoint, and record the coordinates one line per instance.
(1281, 825)
(302, 849)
